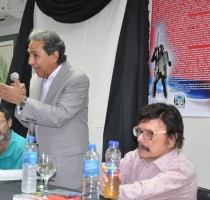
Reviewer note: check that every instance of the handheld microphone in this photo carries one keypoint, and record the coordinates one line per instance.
(14, 75)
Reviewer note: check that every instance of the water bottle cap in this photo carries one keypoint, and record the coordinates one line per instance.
(113, 143)
(92, 146)
(30, 138)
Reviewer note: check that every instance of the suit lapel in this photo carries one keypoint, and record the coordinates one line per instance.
(57, 82)
(36, 87)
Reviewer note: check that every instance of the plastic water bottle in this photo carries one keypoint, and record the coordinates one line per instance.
(91, 169)
(29, 176)
(113, 156)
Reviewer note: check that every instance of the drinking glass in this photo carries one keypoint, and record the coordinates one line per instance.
(46, 167)
(40, 186)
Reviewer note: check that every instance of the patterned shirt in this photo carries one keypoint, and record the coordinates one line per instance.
(171, 176)
(12, 157)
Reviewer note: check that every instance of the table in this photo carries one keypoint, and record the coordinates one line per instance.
(8, 189)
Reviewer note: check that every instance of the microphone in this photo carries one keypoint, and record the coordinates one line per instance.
(14, 75)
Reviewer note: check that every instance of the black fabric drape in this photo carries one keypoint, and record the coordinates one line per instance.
(19, 62)
(129, 86)
(71, 11)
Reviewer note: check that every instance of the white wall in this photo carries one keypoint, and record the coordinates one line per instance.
(97, 60)
(197, 146)
(8, 30)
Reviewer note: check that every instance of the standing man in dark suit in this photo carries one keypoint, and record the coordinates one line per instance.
(161, 59)
(57, 109)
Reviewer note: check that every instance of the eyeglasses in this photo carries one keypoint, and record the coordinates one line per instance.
(146, 134)
(2, 121)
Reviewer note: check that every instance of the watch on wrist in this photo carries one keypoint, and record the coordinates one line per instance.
(23, 103)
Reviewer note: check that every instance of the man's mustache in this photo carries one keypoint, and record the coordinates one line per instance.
(143, 147)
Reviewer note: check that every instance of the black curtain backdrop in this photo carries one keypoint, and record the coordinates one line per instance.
(19, 62)
(129, 86)
(71, 11)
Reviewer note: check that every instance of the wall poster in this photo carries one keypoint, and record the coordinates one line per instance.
(180, 55)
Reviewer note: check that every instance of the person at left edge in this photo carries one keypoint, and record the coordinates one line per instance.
(11, 143)
(57, 108)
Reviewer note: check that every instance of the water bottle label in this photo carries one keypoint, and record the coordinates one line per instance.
(113, 168)
(30, 158)
(91, 168)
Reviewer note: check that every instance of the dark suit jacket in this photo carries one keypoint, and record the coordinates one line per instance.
(61, 122)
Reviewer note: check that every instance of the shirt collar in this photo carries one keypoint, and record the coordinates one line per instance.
(54, 73)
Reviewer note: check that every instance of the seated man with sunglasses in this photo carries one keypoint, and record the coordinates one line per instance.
(156, 170)
(11, 144)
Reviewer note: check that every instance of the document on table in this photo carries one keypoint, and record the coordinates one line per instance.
(64, 193)
(11, 175)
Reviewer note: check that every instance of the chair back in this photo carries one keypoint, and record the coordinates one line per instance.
(203, 194)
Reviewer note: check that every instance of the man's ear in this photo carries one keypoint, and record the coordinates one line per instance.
(55, 56)
(172, 140)
(9, 121)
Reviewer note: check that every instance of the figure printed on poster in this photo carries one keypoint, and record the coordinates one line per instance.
(161, 59)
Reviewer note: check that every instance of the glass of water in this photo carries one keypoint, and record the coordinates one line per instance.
(46, 168)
